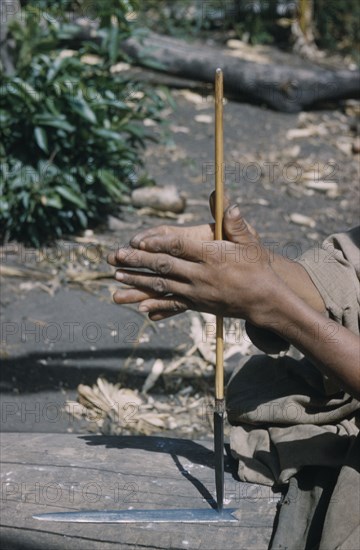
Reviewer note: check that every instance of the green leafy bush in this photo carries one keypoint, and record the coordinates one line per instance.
(335, 22)
(337, 25)
(71, 129)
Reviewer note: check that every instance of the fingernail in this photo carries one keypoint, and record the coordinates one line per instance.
(119, 276)
(234, 211)
(143, 308)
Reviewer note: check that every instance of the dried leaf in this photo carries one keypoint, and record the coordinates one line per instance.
(81, 276)
(344, 145)
(9, 271)
(156, 372)
(203, 337)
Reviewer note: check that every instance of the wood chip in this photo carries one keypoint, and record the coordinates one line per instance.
(300, 219)
(323, 186)
(90, 59)
(179, 129)
(149, 122)
(191, 96)
(204, 119)
(119, 67)
(165, 199)
(310, 131)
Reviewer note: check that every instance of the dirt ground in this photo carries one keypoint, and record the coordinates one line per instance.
(296, 179)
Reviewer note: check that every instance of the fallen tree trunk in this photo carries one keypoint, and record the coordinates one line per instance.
(281, 87)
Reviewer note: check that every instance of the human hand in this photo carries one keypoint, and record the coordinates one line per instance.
(189, 271)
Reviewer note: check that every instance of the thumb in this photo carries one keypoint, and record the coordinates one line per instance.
(212, 202)
(236, 228)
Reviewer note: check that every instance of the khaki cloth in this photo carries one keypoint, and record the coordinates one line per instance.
(291, 425)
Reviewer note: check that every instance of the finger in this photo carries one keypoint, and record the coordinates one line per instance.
(152, 231)
(131, 296)
(153, 283)
(164, 264)
(203, 232)
(161, 315)
(168, 304)
(236, 228)
(176, 247)
(212, 200)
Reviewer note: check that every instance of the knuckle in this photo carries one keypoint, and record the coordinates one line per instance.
(163, 266)
(132, 257)
(176, 246)
(178, 306)
(160, 285)
(126, 254)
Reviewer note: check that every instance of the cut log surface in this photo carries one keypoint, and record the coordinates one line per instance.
(44, 473)
(282, 87)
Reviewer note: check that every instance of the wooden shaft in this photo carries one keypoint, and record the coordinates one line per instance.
(219, 213)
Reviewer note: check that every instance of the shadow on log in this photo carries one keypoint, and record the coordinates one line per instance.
(281, 87)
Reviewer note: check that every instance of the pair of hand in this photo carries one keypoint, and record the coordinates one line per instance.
(171, 269)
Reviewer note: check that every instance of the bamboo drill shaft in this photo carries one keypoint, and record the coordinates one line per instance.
(219, 213)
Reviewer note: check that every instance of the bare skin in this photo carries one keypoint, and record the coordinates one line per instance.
(187, 269)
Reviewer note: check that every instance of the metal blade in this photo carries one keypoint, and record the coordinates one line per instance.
(219, 452)
(143, 516)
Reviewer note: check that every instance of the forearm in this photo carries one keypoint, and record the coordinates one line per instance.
(334, 349)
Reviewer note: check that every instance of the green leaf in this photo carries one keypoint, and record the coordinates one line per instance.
(117, 104)
(41, 138)
(110, 182)
(56, 122)
(25, 90)
(137, 131)
(4, 118)
(82, 218)
(109, 134)
(113, 43)
(71, 196)
(83, 109)
(54, 201)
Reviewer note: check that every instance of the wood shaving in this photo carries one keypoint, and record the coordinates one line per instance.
(300, 219)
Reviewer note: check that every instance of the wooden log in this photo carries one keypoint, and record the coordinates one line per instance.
(282, 87)
(51, 473)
